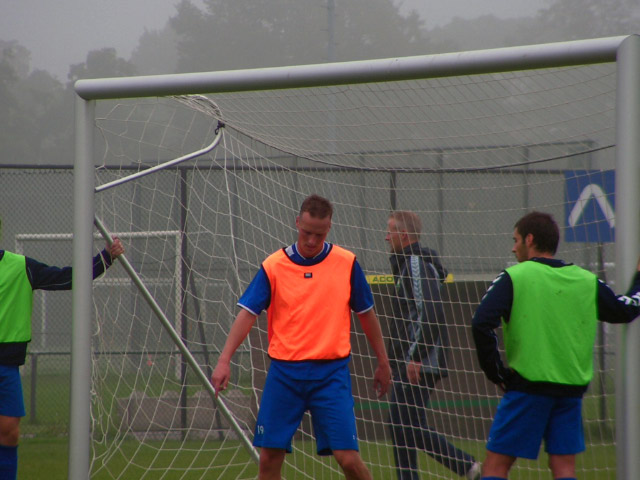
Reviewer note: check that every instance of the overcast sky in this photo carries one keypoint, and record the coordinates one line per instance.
(61, 32)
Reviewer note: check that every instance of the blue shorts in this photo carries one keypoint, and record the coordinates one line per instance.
(523, 420)
(11, 399)
(285, 400)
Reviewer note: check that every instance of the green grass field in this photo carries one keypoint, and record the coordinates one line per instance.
(46, 458)
(43, 452)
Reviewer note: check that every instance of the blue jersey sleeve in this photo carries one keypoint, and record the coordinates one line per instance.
(614, 308)
(494, 306)
(257, 296)
(361, 296)
(46, 277)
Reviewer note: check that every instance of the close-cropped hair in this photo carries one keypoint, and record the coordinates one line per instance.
(317, 206)
(408, 221)
(543, 227)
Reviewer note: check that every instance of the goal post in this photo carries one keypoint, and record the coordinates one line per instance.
(628, 166)
(428, 167)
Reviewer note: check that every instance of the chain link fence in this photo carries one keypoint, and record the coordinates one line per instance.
(37, 221)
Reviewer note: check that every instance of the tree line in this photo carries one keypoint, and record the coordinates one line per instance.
(36, 109)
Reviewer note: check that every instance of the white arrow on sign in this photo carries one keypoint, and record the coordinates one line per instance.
(595, 191)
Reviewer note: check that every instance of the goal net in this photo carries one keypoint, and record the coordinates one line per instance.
(470, 154)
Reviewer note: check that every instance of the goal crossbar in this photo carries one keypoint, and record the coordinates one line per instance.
(579, 52)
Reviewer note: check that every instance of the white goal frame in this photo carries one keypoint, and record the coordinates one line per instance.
(622, 50)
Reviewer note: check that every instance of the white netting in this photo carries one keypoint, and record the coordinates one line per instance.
(470, 155)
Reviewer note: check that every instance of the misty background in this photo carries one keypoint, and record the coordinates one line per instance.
(46, 46)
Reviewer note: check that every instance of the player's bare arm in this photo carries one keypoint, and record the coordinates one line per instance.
(239, 330)
(371, 328)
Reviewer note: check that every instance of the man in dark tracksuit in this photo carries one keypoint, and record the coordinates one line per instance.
(417, 350)
(19, 277)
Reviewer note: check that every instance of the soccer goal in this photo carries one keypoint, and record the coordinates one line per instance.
(470, 141)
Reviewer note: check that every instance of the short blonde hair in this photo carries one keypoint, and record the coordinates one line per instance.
(409, 222)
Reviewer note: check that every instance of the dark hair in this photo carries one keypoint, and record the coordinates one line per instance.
(317, 206)
(544, 229)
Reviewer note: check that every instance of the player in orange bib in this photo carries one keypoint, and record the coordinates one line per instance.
(308, 290)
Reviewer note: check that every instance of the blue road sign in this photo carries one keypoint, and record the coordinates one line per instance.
(590, 206)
